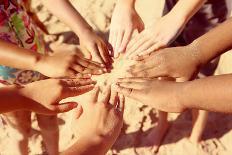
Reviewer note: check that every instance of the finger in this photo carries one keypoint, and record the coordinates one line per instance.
(71, 72)
(64, 107)
(151, 73)
(154, 47)
(76, 91)
(136, 46)
(94, 94)
(114, 39)
(96, 54)
(133, 79)
(125, 40)
(135, 38)
(129, 92)
(106, 96)
(76, 82)
(142, 48)
(88, 63)
(84, 76)
(78, 68)
(119, 41)
(133, 85)
(104, 53)
(78, 111)
(111, 36)
(145, 53)
(140, 27)
(121, 103)
(141, 65)
(113, 97)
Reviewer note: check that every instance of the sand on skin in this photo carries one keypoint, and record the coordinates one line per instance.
(139, 119)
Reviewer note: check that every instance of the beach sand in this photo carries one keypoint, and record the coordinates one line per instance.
(138, 119)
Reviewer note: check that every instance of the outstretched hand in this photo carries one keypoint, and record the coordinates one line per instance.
(51, 92)
(124, 21)
(160, 94)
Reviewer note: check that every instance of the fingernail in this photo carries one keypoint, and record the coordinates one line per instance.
(102, 65)
(105, 70)
(100, 71)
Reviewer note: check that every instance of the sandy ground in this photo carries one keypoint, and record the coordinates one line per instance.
(139, 119)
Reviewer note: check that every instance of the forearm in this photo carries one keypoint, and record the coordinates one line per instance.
(64, 10)
(184, 10)
(213, 43)
(14, 56)
(11, 99)
(211, 93)
(86, 146)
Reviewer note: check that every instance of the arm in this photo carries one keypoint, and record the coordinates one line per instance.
(120, 34)
(214, 43)
(14, 56)
(70, 16)
(47, 101)
(51, 66)
(164, 31)
(97, 135)
(186, 9)
(184, 62)
(212, 94)
(11, 100)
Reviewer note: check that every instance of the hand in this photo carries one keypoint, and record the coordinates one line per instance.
(44, 96)
(124, 21)
(181, 63)
(97, 47)
(158, 35)
(67, 64)
(101, 121)
(160, 94)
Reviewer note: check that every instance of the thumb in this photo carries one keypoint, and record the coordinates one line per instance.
(78, 111)
(64, 107)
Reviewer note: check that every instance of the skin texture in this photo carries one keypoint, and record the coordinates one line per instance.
(211, 93)
(176, 62)
(120, 34)
(47, 101)
(183, 62)
(159, 33)
(99, 124)
(88, 38)
(61, 63)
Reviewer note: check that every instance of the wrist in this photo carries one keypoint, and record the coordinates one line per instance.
(196, 53)
(85, 31)
(178, 16)
(180, 95)
(40, 63)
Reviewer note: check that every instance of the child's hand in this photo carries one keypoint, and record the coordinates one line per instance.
(96, 46)
(44, 96)
(67, 64)
(181, 63)
(124, 21)
(158, 35)
(102, 120)
(160, 94)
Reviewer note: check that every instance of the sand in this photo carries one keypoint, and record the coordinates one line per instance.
(139, 119)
